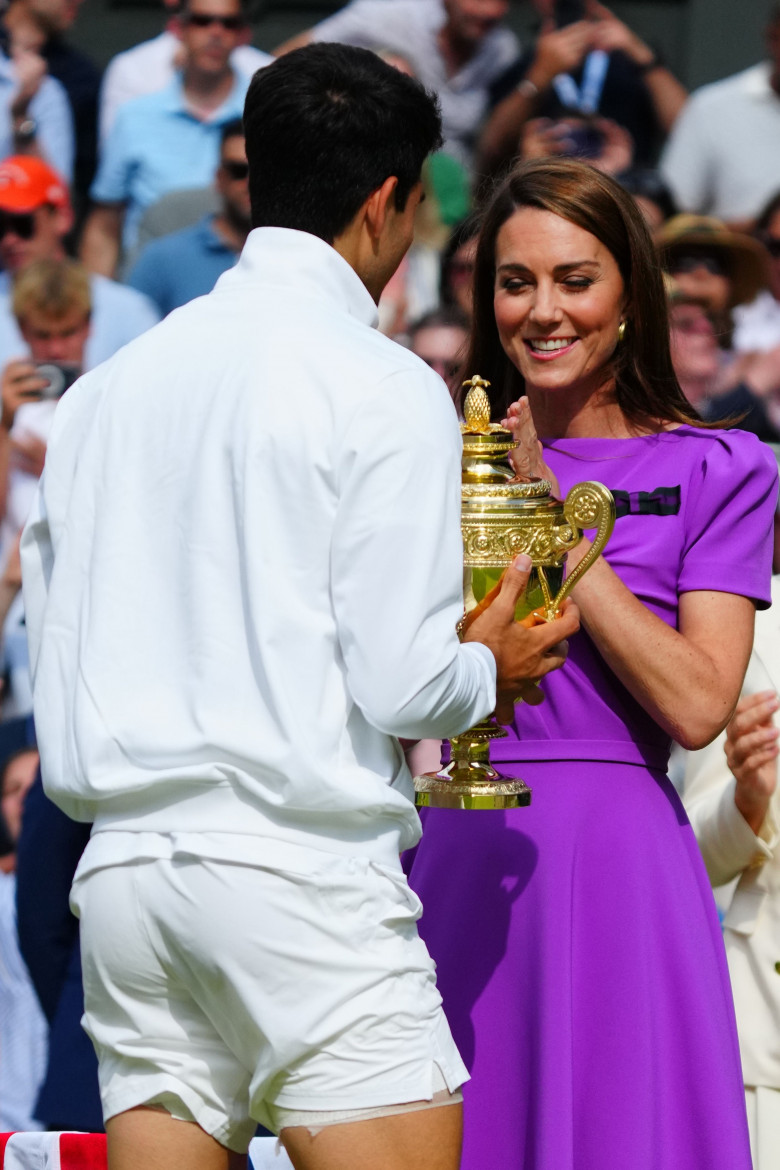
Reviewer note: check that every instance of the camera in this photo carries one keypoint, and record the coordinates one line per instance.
(59, 378)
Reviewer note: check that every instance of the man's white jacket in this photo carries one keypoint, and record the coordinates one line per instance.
(243, 572)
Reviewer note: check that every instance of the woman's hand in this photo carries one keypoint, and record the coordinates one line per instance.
(528, 457)
(751, 753)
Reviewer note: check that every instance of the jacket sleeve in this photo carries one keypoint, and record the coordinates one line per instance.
(397, 565)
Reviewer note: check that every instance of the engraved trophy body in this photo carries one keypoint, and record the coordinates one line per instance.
(502, 517)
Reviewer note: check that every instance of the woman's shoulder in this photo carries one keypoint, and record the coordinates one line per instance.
(729, 454)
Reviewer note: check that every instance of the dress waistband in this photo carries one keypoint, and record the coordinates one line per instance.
(648, 755)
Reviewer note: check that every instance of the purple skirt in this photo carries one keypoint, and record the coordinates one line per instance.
(584, 977)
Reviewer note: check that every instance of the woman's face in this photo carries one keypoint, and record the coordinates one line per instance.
(558, 301)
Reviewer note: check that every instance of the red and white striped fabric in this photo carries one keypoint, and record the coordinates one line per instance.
(53, 1151)
(87, 1151)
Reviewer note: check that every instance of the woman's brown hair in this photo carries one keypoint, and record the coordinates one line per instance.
(645, 381)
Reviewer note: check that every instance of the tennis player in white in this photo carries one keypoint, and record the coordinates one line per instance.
(242, 580)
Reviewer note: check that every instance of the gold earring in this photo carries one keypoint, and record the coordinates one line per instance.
(621, 330)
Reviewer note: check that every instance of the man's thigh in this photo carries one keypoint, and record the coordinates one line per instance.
(427, 1140)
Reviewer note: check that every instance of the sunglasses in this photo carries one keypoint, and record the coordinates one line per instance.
(206, 19)
(772, 245)
(22, 226)
(709, 262)
(235, 169)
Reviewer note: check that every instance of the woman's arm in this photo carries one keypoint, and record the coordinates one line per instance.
(688, 679)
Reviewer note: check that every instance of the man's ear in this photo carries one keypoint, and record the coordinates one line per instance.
(378, 205)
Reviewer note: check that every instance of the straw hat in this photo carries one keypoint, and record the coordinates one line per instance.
(745, 258)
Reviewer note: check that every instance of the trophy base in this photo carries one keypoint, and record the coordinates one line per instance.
(471, 781)
(437, 790)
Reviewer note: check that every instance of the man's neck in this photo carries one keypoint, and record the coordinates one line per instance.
(231, 234)
(205, 92)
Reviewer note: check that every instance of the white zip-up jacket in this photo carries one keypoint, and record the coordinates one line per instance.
(243, 571)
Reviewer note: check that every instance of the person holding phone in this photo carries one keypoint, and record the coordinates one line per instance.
(585, 62)
(52, 305)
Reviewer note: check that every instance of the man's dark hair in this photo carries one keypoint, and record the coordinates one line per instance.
(232, 129)
(325, 126)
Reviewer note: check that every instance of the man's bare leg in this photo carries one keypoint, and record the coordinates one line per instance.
(150, 1139)
(427, 1140)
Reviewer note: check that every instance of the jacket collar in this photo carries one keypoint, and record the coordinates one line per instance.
(305, 263)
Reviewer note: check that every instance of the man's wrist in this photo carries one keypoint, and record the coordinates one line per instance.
(25, 130)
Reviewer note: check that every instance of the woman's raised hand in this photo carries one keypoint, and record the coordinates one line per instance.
(528, 457)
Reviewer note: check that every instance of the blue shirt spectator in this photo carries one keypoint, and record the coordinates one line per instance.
(157, 145)
(49, 109)
(186, 264)
(182, 266)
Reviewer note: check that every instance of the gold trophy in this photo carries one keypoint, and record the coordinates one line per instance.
(501, 518)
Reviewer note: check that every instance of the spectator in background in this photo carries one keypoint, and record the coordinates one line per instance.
(49, 850)
(457, 266)
(52, 305)
(23, 1031)
(151, 66)
(35, 117)
(35, 217)
(40, 26)
(651, 195)
(732, 798)
(757, 325)
(458, 48)
(750, 394)
(187, 264)
(596, 65)
(168, 140)
(710, 263)
(439, 338)
(722, 156)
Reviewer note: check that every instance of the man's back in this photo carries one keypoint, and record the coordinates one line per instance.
(275, 520)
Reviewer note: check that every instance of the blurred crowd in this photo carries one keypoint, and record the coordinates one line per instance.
(123, 196)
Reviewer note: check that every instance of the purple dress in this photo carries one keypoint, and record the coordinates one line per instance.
(579, 952)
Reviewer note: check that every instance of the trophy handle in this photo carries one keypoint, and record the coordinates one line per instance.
(588, 505)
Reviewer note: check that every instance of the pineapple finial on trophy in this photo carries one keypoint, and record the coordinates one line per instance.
(476, 409)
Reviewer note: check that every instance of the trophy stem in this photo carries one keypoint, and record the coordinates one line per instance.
(470, 781)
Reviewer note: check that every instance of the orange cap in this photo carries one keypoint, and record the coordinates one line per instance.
(27, 183)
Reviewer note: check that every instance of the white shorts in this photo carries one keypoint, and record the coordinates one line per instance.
(231, 994)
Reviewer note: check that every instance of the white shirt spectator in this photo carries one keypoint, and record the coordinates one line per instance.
(757, 325)
(410, 28)
(275, 571)
(722, 156)
(118, 315)
(50, 108)
(150, 66)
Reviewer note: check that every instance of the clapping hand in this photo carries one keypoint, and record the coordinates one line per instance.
(751, 753)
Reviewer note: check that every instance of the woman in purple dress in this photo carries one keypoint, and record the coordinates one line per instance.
(578, 948)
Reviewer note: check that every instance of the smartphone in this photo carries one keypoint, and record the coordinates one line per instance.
(568, 11)
(586, 141)
(59, 378)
